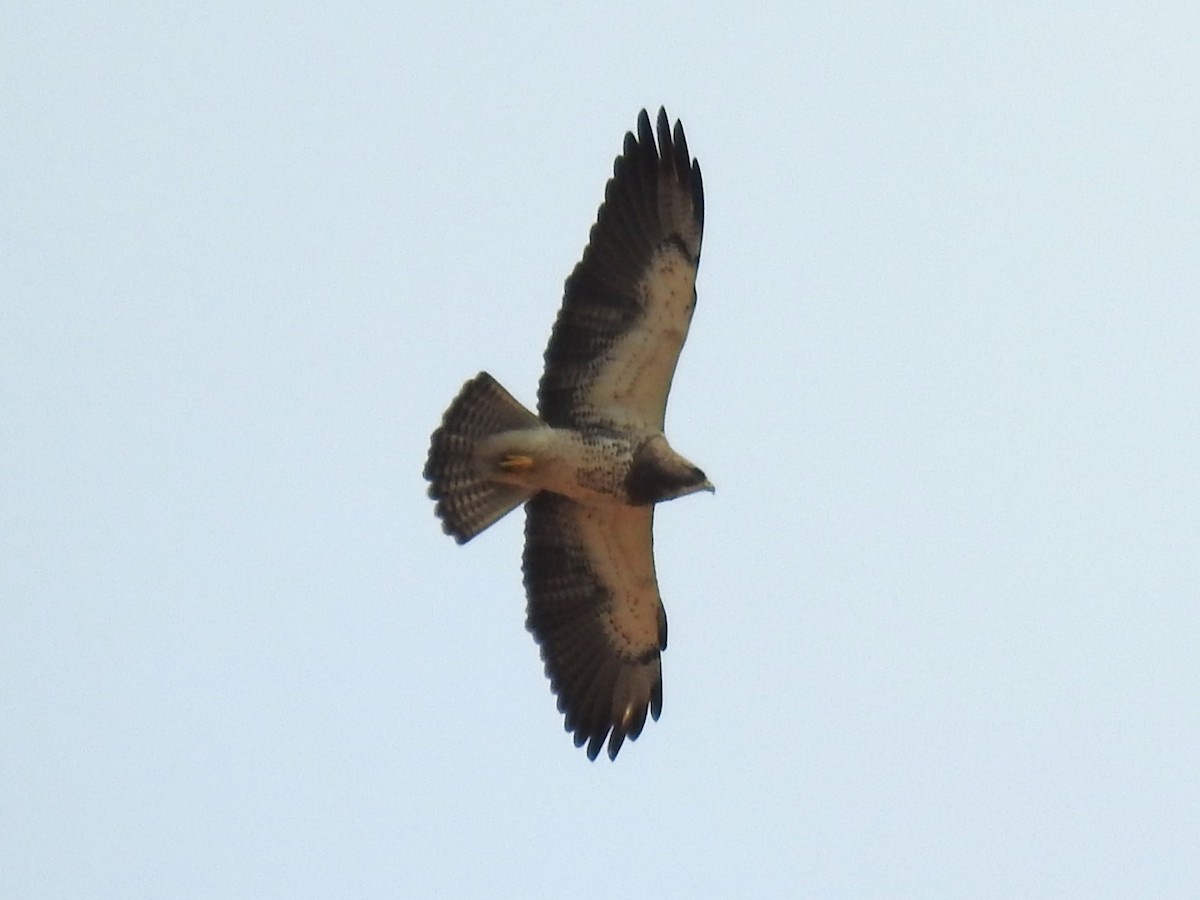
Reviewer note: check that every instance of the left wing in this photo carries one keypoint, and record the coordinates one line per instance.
(595, 610)
(628, 303)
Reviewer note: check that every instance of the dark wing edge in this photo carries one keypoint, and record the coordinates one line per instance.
(594, 610)
(652, 214)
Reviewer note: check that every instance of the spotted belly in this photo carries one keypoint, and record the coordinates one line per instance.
(587, 465)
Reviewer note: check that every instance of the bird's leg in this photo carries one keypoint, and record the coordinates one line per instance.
(516, 462)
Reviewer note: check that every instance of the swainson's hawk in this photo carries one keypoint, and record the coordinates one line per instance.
(592, 463)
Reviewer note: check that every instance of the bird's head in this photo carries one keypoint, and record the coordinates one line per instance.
(658, 473)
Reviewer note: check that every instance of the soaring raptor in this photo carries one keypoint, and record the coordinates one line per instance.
(592, 463)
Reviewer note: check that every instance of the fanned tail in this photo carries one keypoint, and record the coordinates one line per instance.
(467, 501)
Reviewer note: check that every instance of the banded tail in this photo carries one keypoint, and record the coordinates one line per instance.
(467, 501)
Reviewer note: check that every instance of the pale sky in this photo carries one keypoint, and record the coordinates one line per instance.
(935, 635)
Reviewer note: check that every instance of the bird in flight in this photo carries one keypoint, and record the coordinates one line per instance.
(593, 461)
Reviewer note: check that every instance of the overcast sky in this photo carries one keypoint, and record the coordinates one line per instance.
(937, 634)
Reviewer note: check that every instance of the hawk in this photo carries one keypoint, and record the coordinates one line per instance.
(593, 461)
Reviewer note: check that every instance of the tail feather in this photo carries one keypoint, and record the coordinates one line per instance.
(467, 501)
